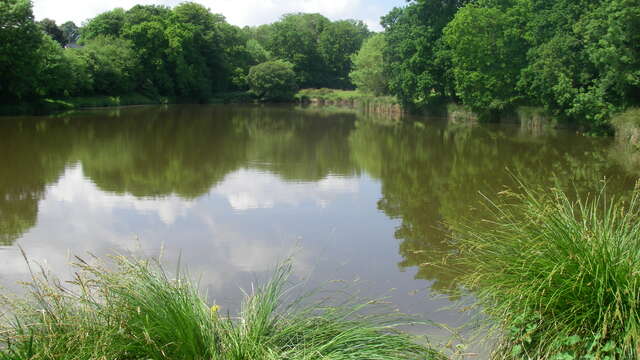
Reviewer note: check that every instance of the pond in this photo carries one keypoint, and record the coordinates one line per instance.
(229, 191)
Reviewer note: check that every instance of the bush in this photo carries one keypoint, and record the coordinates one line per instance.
(558, 278)
(273, 81)
(112, 64)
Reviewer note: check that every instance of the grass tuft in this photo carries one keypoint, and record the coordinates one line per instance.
(558, 278)
(131, 309)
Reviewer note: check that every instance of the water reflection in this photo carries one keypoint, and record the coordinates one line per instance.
(435, 175)
(233, 189)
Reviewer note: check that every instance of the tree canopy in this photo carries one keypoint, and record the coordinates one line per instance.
(580, 60)
(368, 73)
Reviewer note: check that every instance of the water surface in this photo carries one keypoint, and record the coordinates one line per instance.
(232, 190)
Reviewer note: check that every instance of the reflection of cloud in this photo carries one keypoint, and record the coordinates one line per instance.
(76, 218)
(73, 187)
(250, 189)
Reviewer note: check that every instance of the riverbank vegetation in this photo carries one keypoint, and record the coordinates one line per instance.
(183, 53)
(577, 60)
(132, 309)
(558, 277)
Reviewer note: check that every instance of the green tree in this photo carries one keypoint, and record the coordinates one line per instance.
(150, 43)
(336, 44)
(112, 64)
(295, 39)
(612, 35)
(79, 77)
(70, 32)
(273, 80)
(54, 74)
(368, 66)
(109, 23)
(20, 39)
(52, 29)
(488, 51)
(229, 57)
(145, 13)
(419, 73)
(257, 53)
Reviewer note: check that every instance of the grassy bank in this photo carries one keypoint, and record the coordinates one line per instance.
(558, 278)
(131, 309)
(47, 106)
(351, 98)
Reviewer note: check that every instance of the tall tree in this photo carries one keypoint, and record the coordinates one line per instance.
(52, 29)
(70, 31)
(419, 73)
(295, 39)
(336, 44)
(20, 39)
(108, 23)
(487, 51)
(368, 66)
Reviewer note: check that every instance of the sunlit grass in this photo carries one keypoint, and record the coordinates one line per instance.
(560, 279)
(336, 95)
(131, 309)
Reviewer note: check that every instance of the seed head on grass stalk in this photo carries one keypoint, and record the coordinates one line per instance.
(130, 309)
(559, 278)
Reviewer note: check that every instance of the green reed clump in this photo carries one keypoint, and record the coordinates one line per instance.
(558, 278)
(130, 309)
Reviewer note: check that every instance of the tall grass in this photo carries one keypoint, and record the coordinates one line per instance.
(559, 278)
(130, 309)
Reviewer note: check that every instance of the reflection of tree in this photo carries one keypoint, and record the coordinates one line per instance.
(299, 146)
(430, 175)
(158, 152)
(186, 150)
(433, 175)
(32, 154)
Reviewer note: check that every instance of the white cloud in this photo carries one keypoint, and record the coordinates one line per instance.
(238, 12)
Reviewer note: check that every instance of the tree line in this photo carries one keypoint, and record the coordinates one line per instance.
(183, 52)
(580, 59)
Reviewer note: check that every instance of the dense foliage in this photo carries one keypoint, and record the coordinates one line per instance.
(368, 66)
(319, 49)
(578, 59)
(558, 277)
(273, 80)
(182, 52)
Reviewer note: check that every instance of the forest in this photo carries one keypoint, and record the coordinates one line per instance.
(579, 60)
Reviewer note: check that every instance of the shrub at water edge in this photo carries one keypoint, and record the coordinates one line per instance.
(558, 278)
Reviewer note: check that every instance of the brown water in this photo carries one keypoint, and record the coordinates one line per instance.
(232, 190)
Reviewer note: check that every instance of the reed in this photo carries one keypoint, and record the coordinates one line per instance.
(557, 278)
(131, 309)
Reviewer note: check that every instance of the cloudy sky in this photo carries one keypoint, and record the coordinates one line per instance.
(238, 12)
